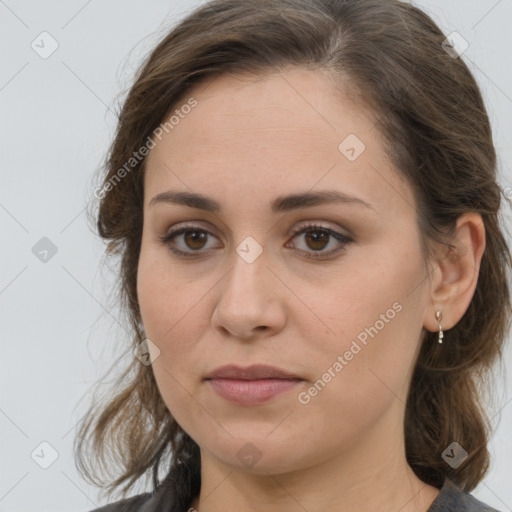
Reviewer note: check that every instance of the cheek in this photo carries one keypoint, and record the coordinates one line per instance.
(363, 376)
(166, 299)
(366, 364)
(166, 315)
(157, 307)
(174, 317)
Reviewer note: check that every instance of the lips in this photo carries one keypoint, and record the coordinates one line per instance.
(254, 372)
(253, 385)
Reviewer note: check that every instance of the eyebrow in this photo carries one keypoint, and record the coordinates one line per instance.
(278, 205)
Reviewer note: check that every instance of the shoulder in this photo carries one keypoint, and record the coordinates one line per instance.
(161, 499)
(146, 502)
(452, 498)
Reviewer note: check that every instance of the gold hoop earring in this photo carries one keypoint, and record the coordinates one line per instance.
(441, 335)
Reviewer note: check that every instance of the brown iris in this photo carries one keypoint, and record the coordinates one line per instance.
(317, 237)
(192, 238)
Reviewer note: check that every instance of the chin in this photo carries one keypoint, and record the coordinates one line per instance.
(261, 456)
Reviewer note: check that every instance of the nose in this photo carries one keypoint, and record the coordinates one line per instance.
(251, 300)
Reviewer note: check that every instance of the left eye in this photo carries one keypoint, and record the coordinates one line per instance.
(317, 239)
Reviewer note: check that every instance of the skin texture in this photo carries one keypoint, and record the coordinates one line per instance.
(249, 140)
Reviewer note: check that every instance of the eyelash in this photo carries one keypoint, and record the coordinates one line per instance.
(344, 239)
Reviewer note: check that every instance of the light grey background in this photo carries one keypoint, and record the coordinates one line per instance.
(57, 121)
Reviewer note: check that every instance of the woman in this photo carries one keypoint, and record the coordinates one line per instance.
(303, 196)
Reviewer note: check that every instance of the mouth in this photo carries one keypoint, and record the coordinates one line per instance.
(254, 385)
(254, 372)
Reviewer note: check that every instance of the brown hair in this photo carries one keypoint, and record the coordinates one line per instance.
(430, 112)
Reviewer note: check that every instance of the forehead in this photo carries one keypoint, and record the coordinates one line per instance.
(262, 136)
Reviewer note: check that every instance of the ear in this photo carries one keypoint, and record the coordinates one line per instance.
(455, 275)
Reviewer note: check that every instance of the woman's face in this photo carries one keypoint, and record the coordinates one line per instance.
(340, 306)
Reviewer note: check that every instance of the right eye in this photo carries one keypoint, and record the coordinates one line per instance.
(194, 239)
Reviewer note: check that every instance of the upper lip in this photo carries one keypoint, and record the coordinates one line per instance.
(254, 372)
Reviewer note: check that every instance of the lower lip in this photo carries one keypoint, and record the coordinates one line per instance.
(251, 392)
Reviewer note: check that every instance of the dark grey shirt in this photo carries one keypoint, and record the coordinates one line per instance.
(450, 499)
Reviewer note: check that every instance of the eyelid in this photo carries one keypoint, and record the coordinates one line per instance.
(320, 226)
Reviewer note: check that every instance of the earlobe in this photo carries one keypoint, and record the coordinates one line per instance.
(457, 273)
